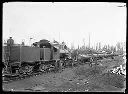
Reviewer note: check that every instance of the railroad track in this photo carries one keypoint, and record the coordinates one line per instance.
(11, 78)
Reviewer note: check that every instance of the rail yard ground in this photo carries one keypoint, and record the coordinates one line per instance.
(82, 78)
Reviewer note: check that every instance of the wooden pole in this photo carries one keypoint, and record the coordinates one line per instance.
(89, 40)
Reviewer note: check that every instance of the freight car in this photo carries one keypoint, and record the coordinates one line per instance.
(20, 59)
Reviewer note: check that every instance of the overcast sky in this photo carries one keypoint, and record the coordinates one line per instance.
(69, 22)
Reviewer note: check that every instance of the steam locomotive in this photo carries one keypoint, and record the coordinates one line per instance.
(41, 56)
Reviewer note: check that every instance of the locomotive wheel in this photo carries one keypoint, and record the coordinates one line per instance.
(42, 68)
(26, 69)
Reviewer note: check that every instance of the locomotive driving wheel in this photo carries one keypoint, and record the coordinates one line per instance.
(26, 69)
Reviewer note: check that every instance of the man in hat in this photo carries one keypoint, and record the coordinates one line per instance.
(10, 42)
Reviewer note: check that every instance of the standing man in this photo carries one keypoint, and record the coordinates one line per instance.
(91, 61)
(10, 43)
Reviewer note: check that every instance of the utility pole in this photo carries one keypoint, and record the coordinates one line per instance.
(89, 40)
(84, 43)
(10, 31)
(99, 45)
(30, 40)
(59, 36)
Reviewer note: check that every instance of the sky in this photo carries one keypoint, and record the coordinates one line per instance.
(69, 22)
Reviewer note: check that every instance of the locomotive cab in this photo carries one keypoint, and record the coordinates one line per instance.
(49, 54)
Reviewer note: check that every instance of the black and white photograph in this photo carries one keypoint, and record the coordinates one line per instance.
(64, 46)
